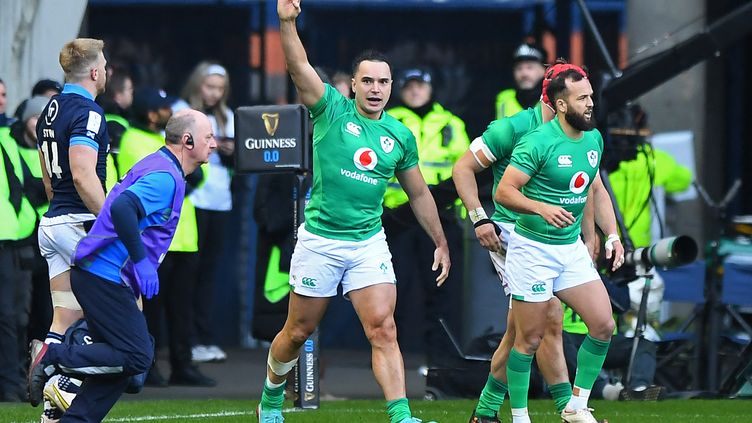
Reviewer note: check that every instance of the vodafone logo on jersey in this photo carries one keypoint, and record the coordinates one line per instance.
(365, 159)
(579, 182)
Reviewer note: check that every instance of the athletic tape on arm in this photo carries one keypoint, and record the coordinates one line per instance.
(479, 145)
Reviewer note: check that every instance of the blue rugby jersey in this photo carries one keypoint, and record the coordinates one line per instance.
(70, 118)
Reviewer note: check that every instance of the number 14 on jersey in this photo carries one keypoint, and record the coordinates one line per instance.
(51, 159)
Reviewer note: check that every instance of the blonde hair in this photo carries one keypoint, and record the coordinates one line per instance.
(192, 93)
(78, 56)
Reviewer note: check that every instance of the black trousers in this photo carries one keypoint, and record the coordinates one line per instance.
(15, 296)
(617, 358)
(175, 299)
(121, 346)
(211, 230)
(420, 303)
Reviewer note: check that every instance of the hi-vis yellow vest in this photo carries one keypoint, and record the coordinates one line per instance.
(112, 173)
(21, 225)
(31, 157)
(441, 140)
(134, 146)
(507, 104)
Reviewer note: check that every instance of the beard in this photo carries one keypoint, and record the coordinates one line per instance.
(578, 121)
(529, 97)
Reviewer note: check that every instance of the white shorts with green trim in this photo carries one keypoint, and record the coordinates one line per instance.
(536, 270)
(499, 259)
(319, 265)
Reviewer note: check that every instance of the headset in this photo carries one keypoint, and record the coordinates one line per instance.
(189, 142)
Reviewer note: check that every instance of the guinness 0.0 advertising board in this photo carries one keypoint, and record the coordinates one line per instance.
(272, 139)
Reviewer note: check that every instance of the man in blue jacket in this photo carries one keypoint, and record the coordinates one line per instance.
(115, 264)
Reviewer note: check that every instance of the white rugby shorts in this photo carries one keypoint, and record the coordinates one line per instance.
(58, 237)
(499, 259)
(536, 271)
(319, 265)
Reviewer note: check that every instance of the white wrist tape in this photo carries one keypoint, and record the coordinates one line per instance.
(610, 241)
(279, 368)
(479, 145)
(477, 214)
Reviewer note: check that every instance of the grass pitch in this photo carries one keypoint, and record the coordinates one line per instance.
(226, 411)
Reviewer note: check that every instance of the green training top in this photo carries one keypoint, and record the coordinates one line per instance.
(561, 170)
(353, 158)
(500, 137)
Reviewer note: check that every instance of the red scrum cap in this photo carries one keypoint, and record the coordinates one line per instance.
(551, 73)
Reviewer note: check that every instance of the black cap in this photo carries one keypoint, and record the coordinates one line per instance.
(45, 85)
(150, 99)
(414, 75)
(529, 52)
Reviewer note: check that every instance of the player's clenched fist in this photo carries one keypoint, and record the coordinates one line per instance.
(288, 9)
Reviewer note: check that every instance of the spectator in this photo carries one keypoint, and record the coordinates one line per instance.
(151, 111)
(116, 103)
(207, 89)
(3, 93)
(342, 82)
(45, 88)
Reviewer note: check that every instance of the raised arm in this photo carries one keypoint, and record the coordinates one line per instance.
(83, 165)
(424, 208)
(463, 174)
(509, 194)
(309, 85)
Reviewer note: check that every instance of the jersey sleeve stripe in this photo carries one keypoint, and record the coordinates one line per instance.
(79, 140)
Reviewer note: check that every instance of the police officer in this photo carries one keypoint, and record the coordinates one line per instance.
(529, 66)
(441, 140)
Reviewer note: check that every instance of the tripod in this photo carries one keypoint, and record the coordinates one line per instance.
(713, 307)
(642, 322)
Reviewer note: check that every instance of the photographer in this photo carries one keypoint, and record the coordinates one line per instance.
(635, 169)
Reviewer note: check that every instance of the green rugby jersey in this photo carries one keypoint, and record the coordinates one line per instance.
(561, 170)
(500, 137)
(353, 158)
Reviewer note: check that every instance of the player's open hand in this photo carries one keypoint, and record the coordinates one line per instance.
(441, 259)
(288, 9)
(487, 237)
(616, 250)
(556, 216)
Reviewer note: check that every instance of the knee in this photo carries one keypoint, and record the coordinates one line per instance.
(297, 334)
(528, 343)
(140, 361)
(381, 332)
(602, 329)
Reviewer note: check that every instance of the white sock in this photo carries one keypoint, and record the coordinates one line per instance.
(579, 399)
(271, 385)
(519, 415)
(53, 338)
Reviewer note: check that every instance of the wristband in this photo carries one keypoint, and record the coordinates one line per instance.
(477, 214)
(485, 221)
